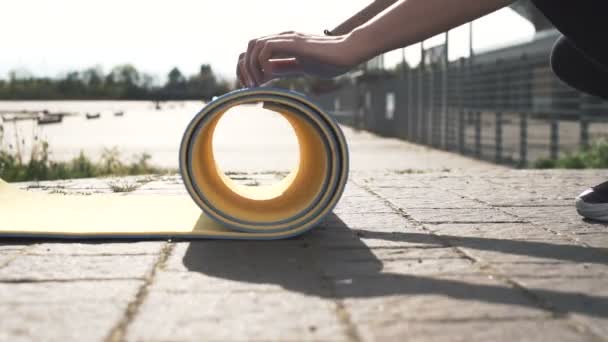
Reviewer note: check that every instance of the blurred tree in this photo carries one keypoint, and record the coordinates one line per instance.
(93, 77)
(125, 82)
(204, 84)
(125, 74)
(122, 82)
(175, 78)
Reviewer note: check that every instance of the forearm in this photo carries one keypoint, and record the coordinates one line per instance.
(362, 16)
(410, 21)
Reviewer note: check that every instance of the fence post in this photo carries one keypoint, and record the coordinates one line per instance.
(584, 121)
(525, 109)
(409, 104)
(554, 144)
(461, 110)
(523, 139)
(478, 134)
(498, 137)
(475, 111)
(445, 108)
(420, 113)
(406, 103)
(430, 91)
(498, 117)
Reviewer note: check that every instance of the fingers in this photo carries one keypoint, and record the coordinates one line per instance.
(241, 72)
(253, 63)
(248, 71)
(239, 75)
(272, 56)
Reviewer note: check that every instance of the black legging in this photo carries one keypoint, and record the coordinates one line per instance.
(580, 56)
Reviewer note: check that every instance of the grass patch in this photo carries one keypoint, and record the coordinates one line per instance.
(39, 167)
(122, 186)
(408, 171)
(593, 157)
(145, 180)
(57, 191)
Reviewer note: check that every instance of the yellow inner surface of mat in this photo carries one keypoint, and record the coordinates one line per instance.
(276, 202)
(24, 213)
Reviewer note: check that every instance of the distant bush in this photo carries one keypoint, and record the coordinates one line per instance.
(593, 157)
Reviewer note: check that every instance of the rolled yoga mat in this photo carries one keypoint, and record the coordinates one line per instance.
(217, 207)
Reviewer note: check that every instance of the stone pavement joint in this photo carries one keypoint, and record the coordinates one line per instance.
(350, 329)
(117, 334)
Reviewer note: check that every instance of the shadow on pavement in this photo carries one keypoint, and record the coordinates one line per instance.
(308, 266)
(562, 252)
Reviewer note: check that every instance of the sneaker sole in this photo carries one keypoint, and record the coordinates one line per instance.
(594, 211)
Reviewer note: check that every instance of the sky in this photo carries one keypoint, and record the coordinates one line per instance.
(52, 37)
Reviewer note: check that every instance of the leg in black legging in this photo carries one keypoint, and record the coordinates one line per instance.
(580, 59)
(576, 69)
(583, 22)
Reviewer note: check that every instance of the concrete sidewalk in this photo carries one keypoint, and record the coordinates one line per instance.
(409, 254)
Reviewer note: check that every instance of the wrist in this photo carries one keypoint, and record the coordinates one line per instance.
(359, 45)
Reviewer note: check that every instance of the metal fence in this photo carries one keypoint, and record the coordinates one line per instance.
(511, 110)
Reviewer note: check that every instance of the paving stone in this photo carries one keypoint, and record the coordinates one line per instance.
(599, 240)
(547, 215)
(567, 222)
(582, 298)
(378, 222)
(517, 243)
(400, 298)
(361, 205)
(405, 181)
(68, 292)
(64, 267)
(5, 259)
(78, 321)
(182, 193)
(236, 265)
(524, 329)
(511, 231)
(420, 266)
(97, 248)
(236, 316)
(453, 184)
(352, 190)
(563, 270)
(11, 247)
(10, 252)
(417, 253)
(371, 239)
(460, 215)
(504, 250)
(437, 203)
(426, 198)
(209, 282)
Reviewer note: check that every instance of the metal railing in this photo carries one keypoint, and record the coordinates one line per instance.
(510, 110)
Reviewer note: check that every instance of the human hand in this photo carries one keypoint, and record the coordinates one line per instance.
(292, 53)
